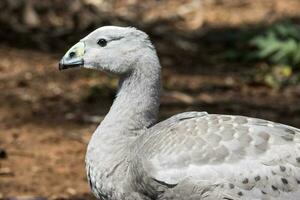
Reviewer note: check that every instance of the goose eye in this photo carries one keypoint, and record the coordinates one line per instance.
(102, 42)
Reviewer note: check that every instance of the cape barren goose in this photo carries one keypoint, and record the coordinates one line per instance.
(190, 156)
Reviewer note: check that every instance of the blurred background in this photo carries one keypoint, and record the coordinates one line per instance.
(222, 56)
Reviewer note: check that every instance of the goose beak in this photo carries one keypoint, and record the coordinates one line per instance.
(73, 57)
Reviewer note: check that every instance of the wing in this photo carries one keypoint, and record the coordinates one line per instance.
(252, 154)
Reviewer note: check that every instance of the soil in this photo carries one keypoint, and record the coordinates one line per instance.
(47, 116)
(45, 152)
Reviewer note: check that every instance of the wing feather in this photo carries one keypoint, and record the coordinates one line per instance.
(247, 152)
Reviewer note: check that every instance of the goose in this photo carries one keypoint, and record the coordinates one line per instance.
(189, 156)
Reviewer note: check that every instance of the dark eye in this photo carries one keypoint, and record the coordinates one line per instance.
(102, 42)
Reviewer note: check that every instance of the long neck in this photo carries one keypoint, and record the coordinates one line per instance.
(137, 102)
(135, 107)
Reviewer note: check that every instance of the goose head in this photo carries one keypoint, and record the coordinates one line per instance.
(110, 48)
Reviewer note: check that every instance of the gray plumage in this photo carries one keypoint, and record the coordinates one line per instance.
(192, 155)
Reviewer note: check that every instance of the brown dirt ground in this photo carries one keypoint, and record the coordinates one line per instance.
(45, 153)
(46, 121)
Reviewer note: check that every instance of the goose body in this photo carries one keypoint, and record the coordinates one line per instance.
(190, 156)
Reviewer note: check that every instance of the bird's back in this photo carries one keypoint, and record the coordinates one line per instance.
(229, 156)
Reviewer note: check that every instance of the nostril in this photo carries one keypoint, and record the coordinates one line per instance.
(72, 54)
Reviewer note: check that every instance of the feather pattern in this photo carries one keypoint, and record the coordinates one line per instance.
(253, 158)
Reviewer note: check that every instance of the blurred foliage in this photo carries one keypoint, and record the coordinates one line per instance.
(279, 44)
(279, 47)
(275, 49)
(275, 76)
